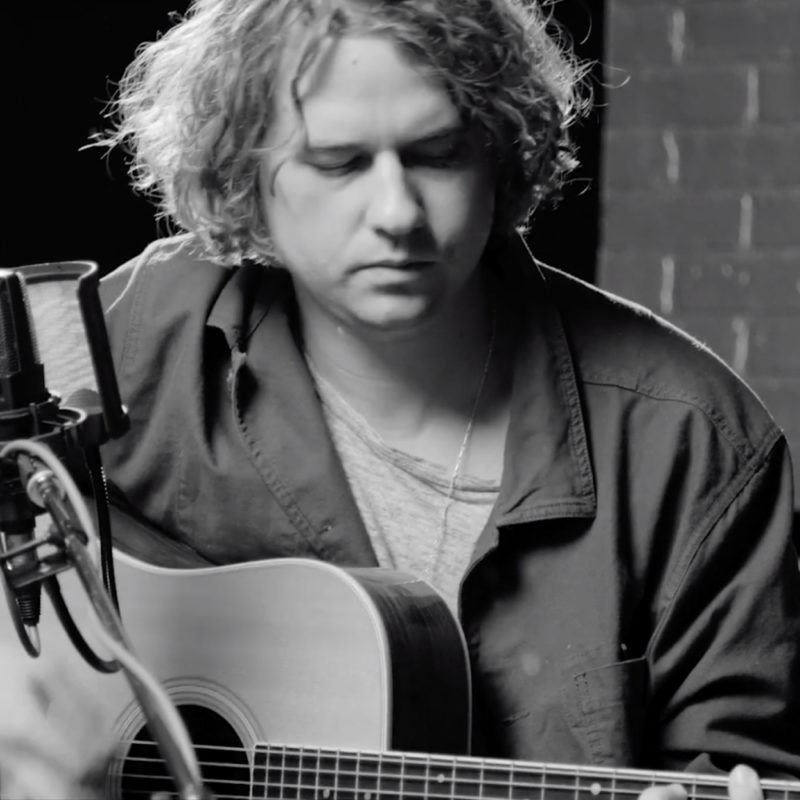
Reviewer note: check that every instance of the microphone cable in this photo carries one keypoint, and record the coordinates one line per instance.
(102, 502)
(149, 691)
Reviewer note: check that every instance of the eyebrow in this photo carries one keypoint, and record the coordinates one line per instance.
(454, 130)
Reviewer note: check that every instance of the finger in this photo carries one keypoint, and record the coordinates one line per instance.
(672, 791)
(743, 784)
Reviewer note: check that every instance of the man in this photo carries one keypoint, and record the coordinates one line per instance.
(351, 356)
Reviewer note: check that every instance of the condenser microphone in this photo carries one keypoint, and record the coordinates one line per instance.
(71, 346)
(27, 411)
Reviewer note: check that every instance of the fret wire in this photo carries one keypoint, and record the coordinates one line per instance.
(268, 750)
(307, 762)
(290, 785)
(427, 780)
(544, 779)
(285, 782)
(282, 773)
(445, 775)
(259, 774)
(317, 772)
(439, 773)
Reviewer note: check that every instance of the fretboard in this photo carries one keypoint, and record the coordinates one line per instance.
(312, 773)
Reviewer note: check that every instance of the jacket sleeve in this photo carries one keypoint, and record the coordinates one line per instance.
(725, 656)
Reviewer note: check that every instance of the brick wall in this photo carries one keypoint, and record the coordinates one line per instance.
(700, 173)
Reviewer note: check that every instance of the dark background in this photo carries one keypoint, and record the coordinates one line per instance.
(61, 62)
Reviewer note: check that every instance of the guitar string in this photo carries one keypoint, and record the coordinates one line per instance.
(595, 788)
(466, 763)
(317, 789)
(430, 763)
(378, 792)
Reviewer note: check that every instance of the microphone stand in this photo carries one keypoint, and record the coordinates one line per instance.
(73, 543)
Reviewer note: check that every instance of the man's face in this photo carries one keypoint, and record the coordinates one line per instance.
(379, 202)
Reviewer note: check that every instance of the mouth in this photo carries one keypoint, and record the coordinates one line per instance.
(400, 265)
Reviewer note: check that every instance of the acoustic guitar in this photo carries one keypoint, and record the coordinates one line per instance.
(299, 679)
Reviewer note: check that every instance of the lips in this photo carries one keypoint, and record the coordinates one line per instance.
(407, 265)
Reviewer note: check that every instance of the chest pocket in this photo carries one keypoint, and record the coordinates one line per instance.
(606, 706)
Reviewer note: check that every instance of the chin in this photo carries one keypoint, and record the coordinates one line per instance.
(398, 322)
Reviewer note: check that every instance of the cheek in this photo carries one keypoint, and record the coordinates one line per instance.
(465, 210)
(482, 191)
(288, 195)
(301, 214)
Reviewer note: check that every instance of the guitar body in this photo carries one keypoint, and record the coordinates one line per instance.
(298, 679)
(291, 651)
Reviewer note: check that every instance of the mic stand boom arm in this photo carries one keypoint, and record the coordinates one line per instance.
(167, 727)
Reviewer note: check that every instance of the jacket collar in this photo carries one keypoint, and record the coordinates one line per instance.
(279, 416)
(244, 302)
(547, 470)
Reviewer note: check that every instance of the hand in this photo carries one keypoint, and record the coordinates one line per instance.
(743, 784)
(50, 742)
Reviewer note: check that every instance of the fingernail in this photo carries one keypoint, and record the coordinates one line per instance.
(744, 775)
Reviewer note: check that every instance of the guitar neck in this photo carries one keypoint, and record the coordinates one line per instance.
(305, 772)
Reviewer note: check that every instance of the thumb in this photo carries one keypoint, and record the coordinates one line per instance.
(743, 784)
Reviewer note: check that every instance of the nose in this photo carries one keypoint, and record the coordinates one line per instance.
(394, 208)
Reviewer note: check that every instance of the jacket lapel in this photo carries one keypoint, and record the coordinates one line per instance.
(547, 472)
(547, 467)
(279, 417)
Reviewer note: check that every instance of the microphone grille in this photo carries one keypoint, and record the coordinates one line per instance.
(18, 346)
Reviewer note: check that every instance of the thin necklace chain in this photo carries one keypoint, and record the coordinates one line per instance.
(439, 545)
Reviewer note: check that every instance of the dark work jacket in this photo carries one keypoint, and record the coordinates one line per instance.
(634, 598)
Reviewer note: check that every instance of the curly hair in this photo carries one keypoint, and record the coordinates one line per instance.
(193, 107)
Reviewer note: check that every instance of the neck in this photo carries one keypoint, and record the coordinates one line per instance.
(419, 390)
(401, 378)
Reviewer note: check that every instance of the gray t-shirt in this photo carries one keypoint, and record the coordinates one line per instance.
(402, 500)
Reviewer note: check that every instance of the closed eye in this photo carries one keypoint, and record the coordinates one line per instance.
(452, 148)
(452, 155)
(338, 164)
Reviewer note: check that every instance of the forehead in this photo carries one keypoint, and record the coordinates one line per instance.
(361, 88)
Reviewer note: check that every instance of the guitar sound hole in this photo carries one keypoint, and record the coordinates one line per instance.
(220, 753)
